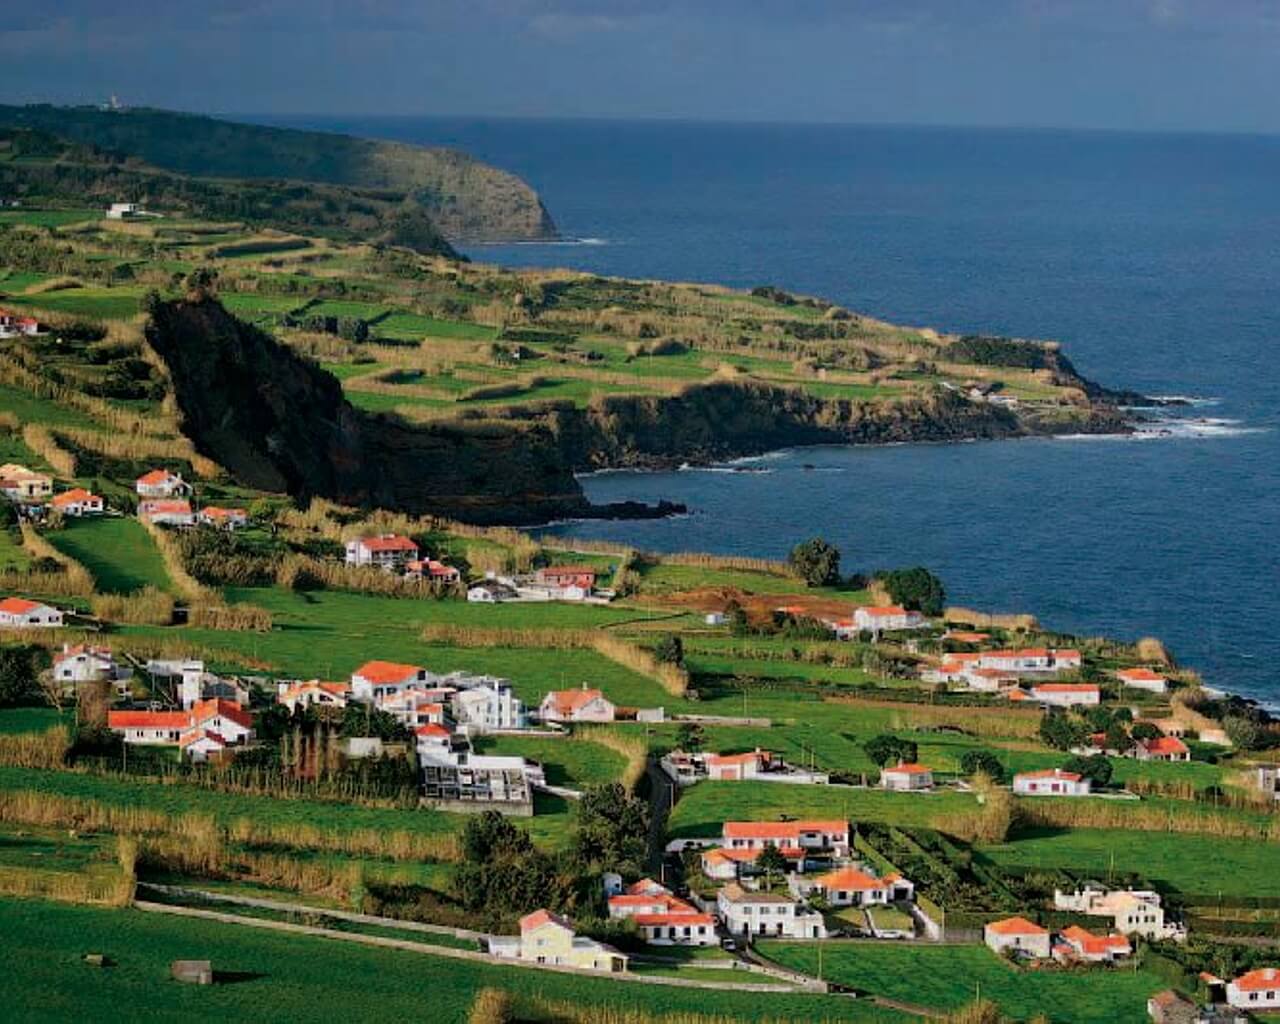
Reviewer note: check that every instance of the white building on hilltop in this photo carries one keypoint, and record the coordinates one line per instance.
(1134, 911)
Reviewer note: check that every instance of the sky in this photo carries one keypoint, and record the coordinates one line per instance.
(1201, 65)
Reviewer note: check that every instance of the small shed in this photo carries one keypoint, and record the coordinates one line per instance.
(192, 972)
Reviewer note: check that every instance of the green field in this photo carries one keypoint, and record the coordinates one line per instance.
(100, 303)
(16, 720)
(411, 326)
(30, 408)
(704, 807)
(117, 551)
(948, 977)
(267, 975)
(1200, 864)
(48, 218)
(568, 762)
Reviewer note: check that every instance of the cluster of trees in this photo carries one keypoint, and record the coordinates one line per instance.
(974, 762)
(887, 749)
(916, 589)
(1062, 730)
(20, 668)
(503, 875)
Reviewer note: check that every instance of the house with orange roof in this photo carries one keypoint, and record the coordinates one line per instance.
(853, 886)
(564, 577)
(1018, 936)
(160, 483)
(663, 919)
(688, 767)
(890, 618)
(20, 613)
(224, 518)
(78, 502)
(1143, 679)
(385, 551)
(725, 865)
(13, 325)
(416, 707)
(547, 938)
(166, 512)
(377, 679)
(18, 483)
(907, 777)
(827, 836)
(307, 693)
(1132, 911)
(1162, 748)
(433, 571)
(230, 724)
(580, 705)
(1067, 695)
(1080, 944)
(86, 663)
(1255, 990)
(1051, 782)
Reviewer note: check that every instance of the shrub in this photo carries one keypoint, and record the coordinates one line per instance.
(816, 562)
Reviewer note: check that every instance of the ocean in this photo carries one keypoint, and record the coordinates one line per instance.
(1154, 259)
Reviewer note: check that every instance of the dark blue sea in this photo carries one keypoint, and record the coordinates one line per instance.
(1155, 259)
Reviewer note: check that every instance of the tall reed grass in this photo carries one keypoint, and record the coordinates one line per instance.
(150, 606)
(46, 750)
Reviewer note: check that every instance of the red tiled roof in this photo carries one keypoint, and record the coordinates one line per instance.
(19, 606)
(693, 917)
(849, 878)
(1066, 688)
(149, 719)
(156, 476)
(781, 829)
(748, 856)
(386, 672)
(1095, 944)
(216, 512)
(76, 494)
(206, 709)
(196, 735)
(1050, 773)
(1165, 745)
(172, 506)
(1016, 926)
(1144, 675)
(748, 758)
(883, 611)
(388, 542)
(540, 917)
(566, 702)
(910, 769)
(79, 649)
(431, 729)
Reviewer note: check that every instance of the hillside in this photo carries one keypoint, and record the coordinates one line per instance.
(466, 199)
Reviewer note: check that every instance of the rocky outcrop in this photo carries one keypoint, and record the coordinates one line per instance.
(280, 423)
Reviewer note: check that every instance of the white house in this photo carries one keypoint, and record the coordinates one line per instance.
(736, 767)
(1078, 943)
(1031, 660)
(1133, 911)
(490, 705)
(386, 551)
(14, 325)
(125, 211)
(416, 707)
(886, 618)
(430, 569)
(663, 919)
(907, 777)
(1067, 695)
(19, 613)
(491, 592)
(1162, 748)
(725, 865)
(376, 679)
(851, 886)
(817, 836)
(82, 663)
(79, 502)
(312, 693)
(1051, 782)
(1143, 679)
(160, 483)
(229, 724)
(1255, 990)
(1019, 935)
(759, 914)
(224, 518)
(581, 705)
(166, 512)
(22, 484)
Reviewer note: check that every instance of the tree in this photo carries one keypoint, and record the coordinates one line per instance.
(916, 588)
(1145, 731)
(612, 829)
(887, 749)
(489, 834)
(1244, 732)
(1060, 731)
(670, 649)
(771, 861)
(1097, 769)
(736, 616)
(973, 762)
(690, 736)
(816, 562)
(1117, 737)
(202, 284)
(18, 682)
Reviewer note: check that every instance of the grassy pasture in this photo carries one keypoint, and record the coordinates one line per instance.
(117, 551)
(48, 218)
(303, 978)
(567, 762)
(18, 720)
(948, 977)
(98, 303)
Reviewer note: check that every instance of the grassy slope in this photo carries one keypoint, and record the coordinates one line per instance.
(296, 978)
(117, 551)
(947, 977)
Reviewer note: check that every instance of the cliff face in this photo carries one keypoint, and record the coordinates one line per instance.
(466, 199)
(280, 423)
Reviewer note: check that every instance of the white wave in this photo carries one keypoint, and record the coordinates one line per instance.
(1187, 399)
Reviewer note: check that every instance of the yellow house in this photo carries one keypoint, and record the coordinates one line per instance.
(547, 938)
(23, 484)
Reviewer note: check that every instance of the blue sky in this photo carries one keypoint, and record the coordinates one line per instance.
(1126, 64)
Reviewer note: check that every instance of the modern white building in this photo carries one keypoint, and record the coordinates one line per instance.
(1132, 911)
(488, 706)
(851, 886)
(761, 914)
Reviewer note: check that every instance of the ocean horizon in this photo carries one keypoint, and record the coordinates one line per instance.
(1152, 257)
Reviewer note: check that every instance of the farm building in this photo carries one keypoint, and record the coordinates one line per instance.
(1076, 943)
(1019, 935)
